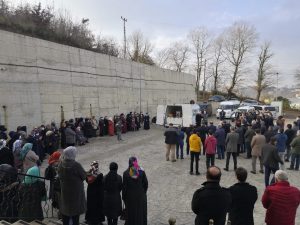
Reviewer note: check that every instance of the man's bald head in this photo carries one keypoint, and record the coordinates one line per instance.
(213, 173)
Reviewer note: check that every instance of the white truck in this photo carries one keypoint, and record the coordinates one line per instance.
(177, 114)
(228, 107)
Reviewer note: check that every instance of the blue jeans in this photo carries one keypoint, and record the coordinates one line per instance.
(268, 171)
(295, 161)
(220, 151)
(180, 145)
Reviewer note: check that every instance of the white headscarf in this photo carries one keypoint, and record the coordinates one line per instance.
(2, 143)
(70, 153)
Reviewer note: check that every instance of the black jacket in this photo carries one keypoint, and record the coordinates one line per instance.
(211, 202)
(171, 135)
(243, 197)
(6, 156)
(270, 156)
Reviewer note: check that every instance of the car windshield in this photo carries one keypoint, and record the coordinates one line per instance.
(270, 108)
(228, 107)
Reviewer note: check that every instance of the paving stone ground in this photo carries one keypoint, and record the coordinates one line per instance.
(171, 187)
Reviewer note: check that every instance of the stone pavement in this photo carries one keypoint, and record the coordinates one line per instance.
(170, 186)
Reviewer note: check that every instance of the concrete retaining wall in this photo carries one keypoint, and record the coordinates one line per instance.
(38, 77)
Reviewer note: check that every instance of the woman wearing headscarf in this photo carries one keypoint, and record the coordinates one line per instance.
(94, 213)
(135, 185)
(111, 127)
(51, 174)
(6, 155)
(28, 157)
(71, 175)
(112, 198)
(8, 193)
(32, 192)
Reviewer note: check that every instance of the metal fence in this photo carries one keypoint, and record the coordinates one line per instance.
(21, 200)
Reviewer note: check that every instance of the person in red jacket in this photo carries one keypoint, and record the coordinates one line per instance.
(281, 201)
(210, 146)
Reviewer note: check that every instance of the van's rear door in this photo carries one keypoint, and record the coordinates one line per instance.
(187, 115)
(160, 114)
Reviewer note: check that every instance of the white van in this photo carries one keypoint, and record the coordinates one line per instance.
(228, 107)
(177, 114)
(278, 106)
(272, 109)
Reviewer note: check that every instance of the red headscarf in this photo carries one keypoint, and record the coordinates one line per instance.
(54, 157)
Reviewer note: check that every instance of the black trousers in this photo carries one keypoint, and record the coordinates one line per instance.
(66, 220)
(194, 157)
(228, 154)
(210, 160)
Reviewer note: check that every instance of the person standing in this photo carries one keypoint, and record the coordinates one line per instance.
(112, 204)
(220, 136)
(135, 186)
(231, 143)
(211, 201)
(28, 157)
(95, 193)
(249, 134)
(195, 149)
(295, 152)
(146, 122)
(210, 146)
(119, 126)
(31, 194)
(281, 201)
(71, 175)
(171, 137)
(6, 155)
(256, 144)
(281, 140)
(70, 135)
(188, 132)
(243, 197)
(270, 159)
(179, 145)
(290, 133)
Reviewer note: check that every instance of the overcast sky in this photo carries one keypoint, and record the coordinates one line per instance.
(163, 21)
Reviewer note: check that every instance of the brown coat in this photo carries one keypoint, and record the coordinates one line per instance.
(258, 141)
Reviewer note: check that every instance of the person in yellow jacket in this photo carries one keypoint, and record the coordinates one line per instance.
(195, 149)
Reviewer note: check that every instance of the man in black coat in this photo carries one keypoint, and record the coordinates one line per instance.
(171, 139)
(243, 197)
(211, 201)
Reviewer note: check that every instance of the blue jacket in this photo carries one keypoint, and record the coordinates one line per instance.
(180, 137)
(281, 142)
(220, 136)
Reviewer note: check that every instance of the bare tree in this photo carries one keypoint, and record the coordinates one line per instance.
(218, 59)
(162, 58)
(178, 56)
(139, 48)
(263, 74)
(239, 40)
(199, 38)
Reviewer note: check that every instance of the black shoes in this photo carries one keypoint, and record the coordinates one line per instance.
(226, 169)
(252, 172)
(197, 173)
(261, 171)
(191, 173)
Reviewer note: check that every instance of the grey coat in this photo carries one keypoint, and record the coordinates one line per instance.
(70, 136)
(72, 175)
(232, 141)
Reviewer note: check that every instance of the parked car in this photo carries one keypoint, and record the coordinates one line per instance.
(216, 98)
(206, 106)
(249, 102)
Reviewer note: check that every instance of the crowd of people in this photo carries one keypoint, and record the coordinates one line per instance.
(21, 155)
(22, 189)
(258, 139)
(212, 202)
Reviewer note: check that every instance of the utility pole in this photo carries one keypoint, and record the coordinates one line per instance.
(124, 21)
(277, 87)
(204, 79)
